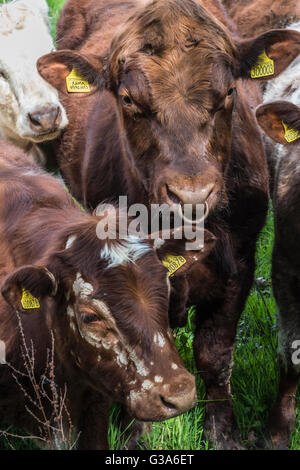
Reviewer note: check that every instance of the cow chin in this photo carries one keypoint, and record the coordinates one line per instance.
(39, 138)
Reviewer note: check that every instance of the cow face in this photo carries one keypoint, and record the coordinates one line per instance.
(107, 304)
(29, 107)
(173, 70)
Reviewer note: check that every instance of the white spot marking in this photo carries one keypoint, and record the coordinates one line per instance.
(159, 340)
(147, 385)
(158, 379)
(70, 241)
(125, 251)
(81, 288)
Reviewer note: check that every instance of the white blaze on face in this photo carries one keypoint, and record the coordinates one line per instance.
(125, 251)
(81, 288)
(24, 37)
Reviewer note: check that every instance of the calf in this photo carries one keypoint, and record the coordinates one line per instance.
(30, 111)
(167, 116)
(281, 122)
(103, 304)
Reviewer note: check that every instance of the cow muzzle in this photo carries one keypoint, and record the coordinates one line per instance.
(203, 189)
(165, 401)
(45, 120)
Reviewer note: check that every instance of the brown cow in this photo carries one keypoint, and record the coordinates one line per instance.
(257, 16)
(281, 121)
(104, 301)
(170, 119)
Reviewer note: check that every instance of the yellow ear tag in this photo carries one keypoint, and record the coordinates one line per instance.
(173, 263)
(264, 66)
(290, 135)
(76, 83)
(28, 301)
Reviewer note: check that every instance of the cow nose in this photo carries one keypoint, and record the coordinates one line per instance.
(180, 396)
(198, 195)
(46, 119)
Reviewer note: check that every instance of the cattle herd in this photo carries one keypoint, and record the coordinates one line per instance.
(165, 102)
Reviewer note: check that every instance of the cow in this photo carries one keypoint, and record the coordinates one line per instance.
(102, 304)
(30, 111)
(281, 122)
(258, 16)
(285, 87)
(160, 99)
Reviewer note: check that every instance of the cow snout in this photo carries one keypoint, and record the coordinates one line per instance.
(165, 400)
(180, 396)
(45, 120)
(186, 196)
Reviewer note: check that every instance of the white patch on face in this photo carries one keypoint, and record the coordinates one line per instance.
(158, 379)
(70, 241)
(24, 37)
(147, 385)
(159, 340)
(92, 339)
(70, 312)
(174, 366)
(139, 364)
(134, 396)
(104, 309)
(125, 251)
(121, 348)
(81, 288)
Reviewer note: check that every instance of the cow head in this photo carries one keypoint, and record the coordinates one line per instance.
(107, 305)
(29, 107)
(173, 70)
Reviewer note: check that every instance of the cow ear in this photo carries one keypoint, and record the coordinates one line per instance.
(266, 56)
(177, 259)
(24, 288)
(280, 121)
(72, 72)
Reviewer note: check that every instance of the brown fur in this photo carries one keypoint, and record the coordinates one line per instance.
(257, 16)
(37, 218)
(188, 134)
(286, 262)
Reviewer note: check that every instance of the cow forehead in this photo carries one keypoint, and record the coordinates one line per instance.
(166, 24)
(25, 42)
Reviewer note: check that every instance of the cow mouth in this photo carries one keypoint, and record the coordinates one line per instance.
(38, 138)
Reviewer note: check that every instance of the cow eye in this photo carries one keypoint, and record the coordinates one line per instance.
(230, 92)
(89, 318)
(2, 75)
(126, 99)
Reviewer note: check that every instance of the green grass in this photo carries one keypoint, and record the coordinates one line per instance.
(255, 375)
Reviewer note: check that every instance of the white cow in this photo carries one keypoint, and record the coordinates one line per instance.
(30, 111)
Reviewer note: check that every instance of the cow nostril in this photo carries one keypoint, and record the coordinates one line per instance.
(172, 196)
(167, 403)
(45, 119)
(34, 120)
